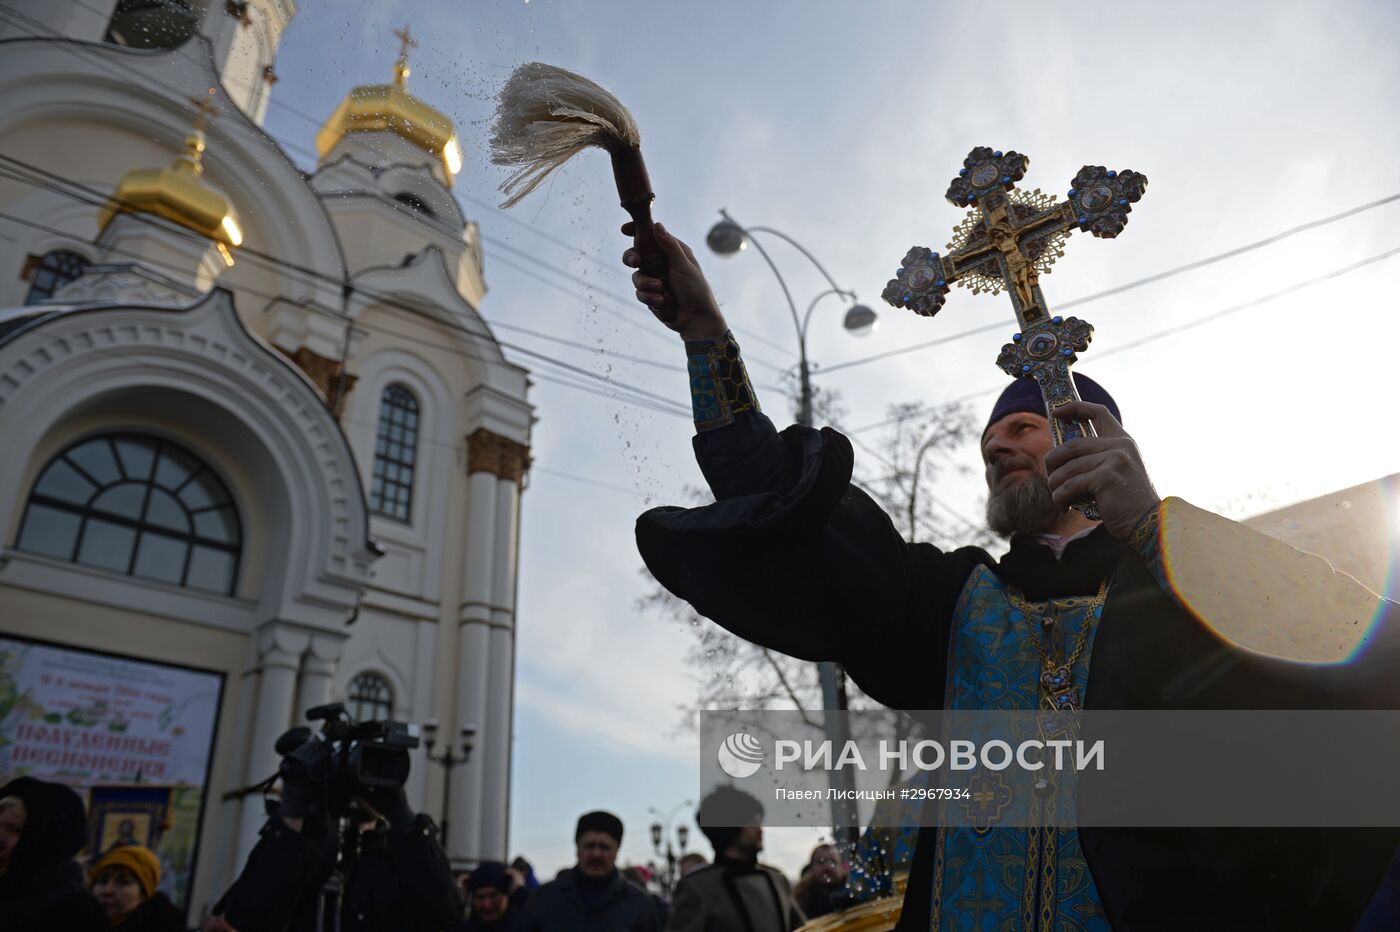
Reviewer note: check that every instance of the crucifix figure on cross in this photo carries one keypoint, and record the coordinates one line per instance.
(1007, 241)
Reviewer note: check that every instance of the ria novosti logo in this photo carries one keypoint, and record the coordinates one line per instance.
(740, 755)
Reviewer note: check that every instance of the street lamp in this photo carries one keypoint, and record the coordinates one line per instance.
(660, 831)
(726, 238)
(447, 761)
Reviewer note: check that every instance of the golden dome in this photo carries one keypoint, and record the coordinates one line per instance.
(180, 195)
(391, 108)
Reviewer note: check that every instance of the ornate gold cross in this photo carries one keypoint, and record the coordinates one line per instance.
(1008, 240)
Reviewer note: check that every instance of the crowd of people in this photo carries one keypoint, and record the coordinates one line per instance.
(734, 891)
(43, 827)
(401, 880)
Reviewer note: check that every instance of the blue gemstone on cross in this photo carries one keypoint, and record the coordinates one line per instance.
(1026, 367)
(1015, 338)
(1057, 320)
(940, 283)
(996, 154)
(899, 272)
(1113, 174)
(962, 172)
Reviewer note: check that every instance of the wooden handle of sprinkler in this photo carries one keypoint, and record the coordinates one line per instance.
(635, 194)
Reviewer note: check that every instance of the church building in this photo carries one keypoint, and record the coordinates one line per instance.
(259, 449)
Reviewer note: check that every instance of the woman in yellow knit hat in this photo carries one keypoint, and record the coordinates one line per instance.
(124, 880)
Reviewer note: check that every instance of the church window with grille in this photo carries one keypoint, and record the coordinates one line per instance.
(136, 505)
(52, 272)
(370, 698)
(395, 454)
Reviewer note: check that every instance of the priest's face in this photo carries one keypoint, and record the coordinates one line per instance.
(1018, 494)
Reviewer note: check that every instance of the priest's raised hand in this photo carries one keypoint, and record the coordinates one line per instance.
(692, 310)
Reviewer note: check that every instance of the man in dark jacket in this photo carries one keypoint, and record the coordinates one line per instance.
(592, 896)
(42, 828)
(735, 892)
(397, 878)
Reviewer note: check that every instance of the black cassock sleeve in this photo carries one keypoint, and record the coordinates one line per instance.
(794, 557)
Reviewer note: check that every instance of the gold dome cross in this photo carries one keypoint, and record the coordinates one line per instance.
(401, 70)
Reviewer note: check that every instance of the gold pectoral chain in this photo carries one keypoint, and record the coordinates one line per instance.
(1057, 678)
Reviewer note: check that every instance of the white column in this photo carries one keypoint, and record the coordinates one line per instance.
(279, 656)
(496, 730)
(230, 820)
(417, 709)
(473, 658)
(317, 675)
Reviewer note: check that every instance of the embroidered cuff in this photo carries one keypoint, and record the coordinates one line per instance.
(1146, 539)
(719, 383)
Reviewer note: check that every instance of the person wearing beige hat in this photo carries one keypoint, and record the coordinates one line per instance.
(125, 882)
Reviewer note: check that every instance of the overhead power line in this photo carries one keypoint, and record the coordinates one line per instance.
(1129, 286)
(1192, 324)
(94, 198)
(645, 398)
(93, 55)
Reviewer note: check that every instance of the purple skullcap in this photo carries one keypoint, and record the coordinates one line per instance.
(1024, 395)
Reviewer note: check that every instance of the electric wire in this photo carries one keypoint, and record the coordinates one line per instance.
(1128, 286)
(377, 297)
(646, 400)
(94, 55)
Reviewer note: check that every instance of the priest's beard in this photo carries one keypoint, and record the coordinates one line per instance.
(1024, 507)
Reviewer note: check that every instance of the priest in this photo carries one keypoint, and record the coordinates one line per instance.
(1079, 613)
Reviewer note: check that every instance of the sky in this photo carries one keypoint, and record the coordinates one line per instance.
(840, 124)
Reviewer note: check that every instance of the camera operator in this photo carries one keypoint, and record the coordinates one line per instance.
(342, 844)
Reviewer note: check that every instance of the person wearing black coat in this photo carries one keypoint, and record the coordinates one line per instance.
(397, 879)
(42, 828)
(592, 896)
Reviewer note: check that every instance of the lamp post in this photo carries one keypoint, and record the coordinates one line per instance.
(727, 238)
(447, 761)
(661, 831)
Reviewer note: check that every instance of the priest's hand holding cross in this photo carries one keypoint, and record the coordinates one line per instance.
(1106, 469)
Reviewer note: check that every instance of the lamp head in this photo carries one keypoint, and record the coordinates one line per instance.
(861, 321)
(656, 834)
(726, 238)
(468, 738)
(430, 728)
(682, 835)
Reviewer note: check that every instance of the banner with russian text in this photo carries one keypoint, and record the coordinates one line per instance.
(92, 720)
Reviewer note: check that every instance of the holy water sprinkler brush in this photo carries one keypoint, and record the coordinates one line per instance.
(545, 116)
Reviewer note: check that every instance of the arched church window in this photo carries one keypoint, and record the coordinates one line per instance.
(52, 272)
(415, 202)
(370, 698)
(136, 505)
(152, 24)
(395, 453)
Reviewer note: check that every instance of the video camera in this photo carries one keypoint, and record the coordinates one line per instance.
(327, 772)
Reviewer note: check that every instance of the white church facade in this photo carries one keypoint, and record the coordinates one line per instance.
(254, 431)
